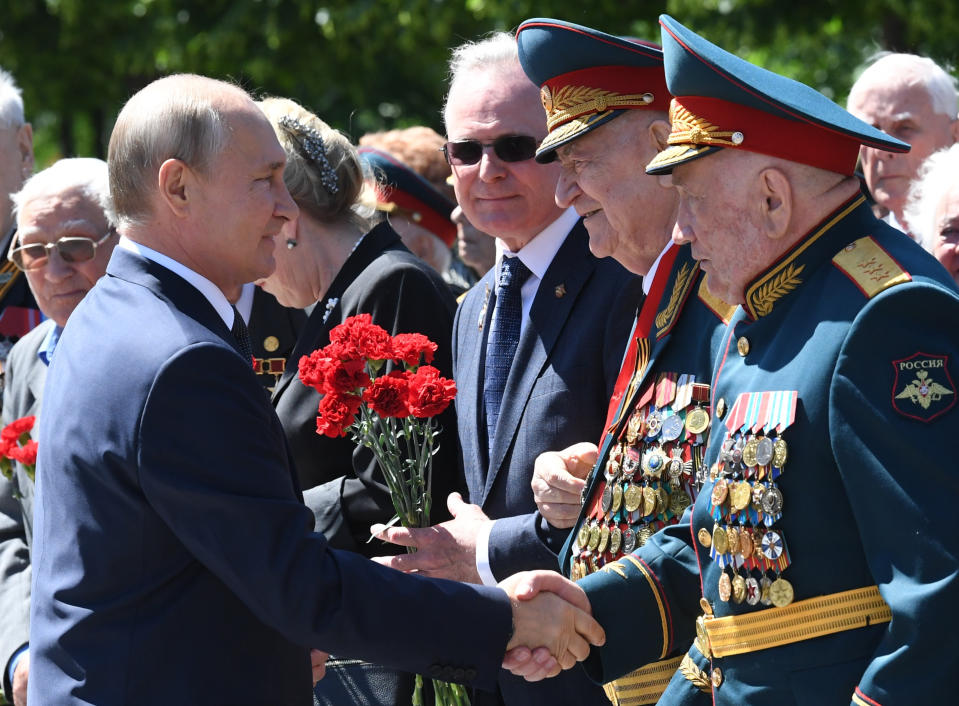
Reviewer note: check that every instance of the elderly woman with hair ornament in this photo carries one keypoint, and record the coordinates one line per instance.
(337, 261)
(933, 208)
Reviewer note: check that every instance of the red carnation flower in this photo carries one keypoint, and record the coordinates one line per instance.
(26, 454)
(387, 395)
(345, 375)
(337, 412)
(429, 393)
(360, 337)
(409, 346)
(14, 429)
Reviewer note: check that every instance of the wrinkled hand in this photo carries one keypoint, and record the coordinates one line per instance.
(318, 663)
(21, 675)
(446, 550)
(553, 625)
(558, 482)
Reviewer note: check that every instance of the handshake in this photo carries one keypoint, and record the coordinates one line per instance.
(553, 626)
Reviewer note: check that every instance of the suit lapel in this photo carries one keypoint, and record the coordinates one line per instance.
(568, 273)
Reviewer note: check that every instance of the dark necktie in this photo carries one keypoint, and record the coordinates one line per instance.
(242, 335)
(503, 337)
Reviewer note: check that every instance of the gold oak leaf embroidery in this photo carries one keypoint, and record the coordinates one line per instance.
(783, 283)
(569, 96)
(682, 279)
(923, 391)
(695, 675)
(616, 568)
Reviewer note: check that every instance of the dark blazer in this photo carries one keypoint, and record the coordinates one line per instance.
(25, 375)
(560, 381)
(174, 559)
(274, 330)
(342, 484)
(18, 308)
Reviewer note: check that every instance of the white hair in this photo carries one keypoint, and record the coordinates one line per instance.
(938, 173)
(498, 50)
(90, 176)
(11, 102)
(914, 70)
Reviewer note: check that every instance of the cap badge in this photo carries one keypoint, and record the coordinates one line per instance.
(546, 96)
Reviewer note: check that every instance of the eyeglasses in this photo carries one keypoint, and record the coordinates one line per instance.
(72, 249)
(509, 148)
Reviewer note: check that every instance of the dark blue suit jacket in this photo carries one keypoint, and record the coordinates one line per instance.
(174, 561)
(560, 381)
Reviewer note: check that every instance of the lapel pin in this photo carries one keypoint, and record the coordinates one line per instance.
(560, 291)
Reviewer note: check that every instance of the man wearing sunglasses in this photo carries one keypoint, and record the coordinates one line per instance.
(531, 376)
(65, 234)
(18, 310)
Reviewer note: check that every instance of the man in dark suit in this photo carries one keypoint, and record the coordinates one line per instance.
(18, 309)
(67, 204)
(174, 560)
(569, 320)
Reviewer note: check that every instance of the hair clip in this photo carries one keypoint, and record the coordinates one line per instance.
(312, 144)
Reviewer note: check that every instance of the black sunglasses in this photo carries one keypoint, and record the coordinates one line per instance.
(72, 249)
(509, 148)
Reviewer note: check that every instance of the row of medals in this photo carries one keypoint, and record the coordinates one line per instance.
(745, 502)
(646, 477)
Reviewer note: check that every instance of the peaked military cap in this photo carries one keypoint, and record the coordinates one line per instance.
(724, 101)
(587, 77)
(400, 189)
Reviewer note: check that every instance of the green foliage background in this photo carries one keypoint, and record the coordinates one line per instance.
(375, 64)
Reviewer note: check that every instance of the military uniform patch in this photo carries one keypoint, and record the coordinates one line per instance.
(923, 388)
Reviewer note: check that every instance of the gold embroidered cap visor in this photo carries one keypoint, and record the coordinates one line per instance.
(569, 131)
(674, 155)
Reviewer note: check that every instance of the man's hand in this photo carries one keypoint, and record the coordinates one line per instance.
(21, 675)
(558, 482)
(318, 663)
(553, 625)
(446, 550)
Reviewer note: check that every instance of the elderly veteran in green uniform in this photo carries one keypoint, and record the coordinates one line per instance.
(825, 535)
(606, 108)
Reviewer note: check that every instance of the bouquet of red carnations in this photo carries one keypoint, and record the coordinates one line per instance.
(390, 414)
(16, 445)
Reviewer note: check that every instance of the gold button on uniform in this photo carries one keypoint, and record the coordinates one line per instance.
(742, 345)
(271, 343)
(716, 677)
(720, 408)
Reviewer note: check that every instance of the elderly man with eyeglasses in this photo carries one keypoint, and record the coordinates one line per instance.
(537, 342)
(65, 234)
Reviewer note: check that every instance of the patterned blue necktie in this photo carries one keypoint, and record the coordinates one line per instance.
(503, 337)
(242, 335)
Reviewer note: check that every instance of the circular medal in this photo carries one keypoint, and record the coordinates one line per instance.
(739, 588)
(725, 587)
(772, 545)
(720, 542)
(615, 540)
(649, 500)
(772, 501)
(629, 540)
(780, 453)
(617, 498)
(672, 428)
(603, 539)
(749, 453)
(633, 497)
(746, 543)
(720, 491)
(654, 461)
(739, 495)
(752, 591)
(781, 592)
(594, 533)
(704, 537)
(643, 535)
(574, 571)
(758, 492)
(662, 500)
(732, 540)
(697, 420)
(764, 585)
(764, 451)
(607, 499)
(654, 422)
(582, 539)
(679, 500)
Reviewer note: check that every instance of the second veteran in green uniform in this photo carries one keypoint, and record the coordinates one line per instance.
(606, 102)
(822, 548)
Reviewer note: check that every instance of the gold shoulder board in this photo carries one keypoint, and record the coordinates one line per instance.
(716, 305)
(870, 267)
